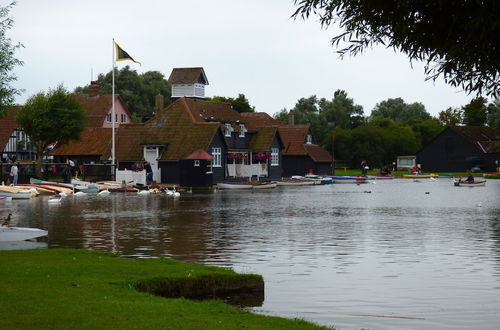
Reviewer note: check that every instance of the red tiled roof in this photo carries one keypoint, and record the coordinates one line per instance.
(294, 138)
(8, 124)
(188, 76)
(97, 108)
(200, 154)
(93, 142)
(260, 119)
(318, 154)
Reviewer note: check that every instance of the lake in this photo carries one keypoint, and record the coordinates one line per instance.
(394, 254)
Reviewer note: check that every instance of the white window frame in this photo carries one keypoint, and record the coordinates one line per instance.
(242, 130)
(109, 117)
(196, 162)
(123, 118)
(275, 156)
(229, 129)
(217, 154)
(309, 139)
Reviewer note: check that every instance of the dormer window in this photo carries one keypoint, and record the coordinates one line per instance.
(242, 130)
(229, 129)
(309, 139)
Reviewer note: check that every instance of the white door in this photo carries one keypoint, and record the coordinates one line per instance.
(151, 156)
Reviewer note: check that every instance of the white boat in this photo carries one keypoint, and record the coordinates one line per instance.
(15, 193)
(295, 182)
(11, 234)
(475, 183)
(246, 185)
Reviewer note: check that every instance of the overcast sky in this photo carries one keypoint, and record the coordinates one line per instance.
(250, 47)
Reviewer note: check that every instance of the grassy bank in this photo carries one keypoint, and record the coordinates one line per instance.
(401, 173)
(79, 289)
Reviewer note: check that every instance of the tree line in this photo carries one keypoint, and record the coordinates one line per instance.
(394, 127)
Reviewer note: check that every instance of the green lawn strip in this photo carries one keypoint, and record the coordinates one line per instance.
(81, 289)
(401, 173)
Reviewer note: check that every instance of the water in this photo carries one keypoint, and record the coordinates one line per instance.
(397, 254)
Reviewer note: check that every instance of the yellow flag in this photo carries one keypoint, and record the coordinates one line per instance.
(122, 55)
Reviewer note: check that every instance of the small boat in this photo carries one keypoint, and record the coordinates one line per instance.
(246, 185)
(295, 182)
(319, 179)
(60, 184)
(15, 193)
(126, 189)
(475, 183)
(11, 234)
(380, 177)
(420, 176)
(349, 179)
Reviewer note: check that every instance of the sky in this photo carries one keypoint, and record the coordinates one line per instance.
(250, 47)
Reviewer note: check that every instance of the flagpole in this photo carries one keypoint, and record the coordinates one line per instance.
(113, 111)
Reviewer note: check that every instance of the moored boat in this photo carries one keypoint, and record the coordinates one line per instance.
(246, 185)
(11, 234)
(295, 182)
(492, 175)
(15, 193)
(348, 179)
(420, 176)
(126, 189)
(380, 177)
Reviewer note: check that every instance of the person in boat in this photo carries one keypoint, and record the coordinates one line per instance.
(470, 177)
(123, 184)
(6, 222)
(364, 167)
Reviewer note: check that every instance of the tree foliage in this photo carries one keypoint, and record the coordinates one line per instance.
(450, 117)
(7, 60)
(476, 112)
(399, 111)
(52, 117)
(458, 39)
(138, 91)
(240, 104)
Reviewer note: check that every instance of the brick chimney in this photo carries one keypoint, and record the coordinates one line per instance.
(94, 89)
(291, 118)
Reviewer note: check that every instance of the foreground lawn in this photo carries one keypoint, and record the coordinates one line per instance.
(79, 289)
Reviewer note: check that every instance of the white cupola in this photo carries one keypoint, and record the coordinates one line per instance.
(188, 82)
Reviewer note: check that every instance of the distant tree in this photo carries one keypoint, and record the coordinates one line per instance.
(282, 115)
(7, 60)
(475, 113)
(494, 116)
(459, 40)
(341, 111)
(52, 117)
(397, 110)
(425, 130)
(138, 91)
(450, 117)
(240, 104)
(306, 111)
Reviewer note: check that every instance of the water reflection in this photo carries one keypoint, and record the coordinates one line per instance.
(406, 255)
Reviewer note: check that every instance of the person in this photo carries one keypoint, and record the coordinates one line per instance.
(364, 167)
(470, 177)
(149, 173)
(71, 167)
(66, 173)
(14, 172)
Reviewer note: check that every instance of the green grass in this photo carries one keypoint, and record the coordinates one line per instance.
(80, 289)
(341, 171)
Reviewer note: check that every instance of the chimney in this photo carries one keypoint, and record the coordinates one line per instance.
(291, 118)
(159, 102)
(94, 89)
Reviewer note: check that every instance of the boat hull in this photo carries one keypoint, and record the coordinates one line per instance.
(348, 179)
(12, 234)
(245, 185)
(477, 183)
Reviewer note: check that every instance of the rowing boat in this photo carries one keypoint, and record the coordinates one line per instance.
(15, 193)
(246, 185)
(11, 234)
(348, 179)
(295, 182)
(475, 183)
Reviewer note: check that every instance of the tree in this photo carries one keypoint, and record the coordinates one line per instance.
(138, 91)
(52, 117)
(475, 113)
(458, 40)
(341, 111)
(397, 110)
(282, 116)
(450, 117)
(7, 60)
(240, 104)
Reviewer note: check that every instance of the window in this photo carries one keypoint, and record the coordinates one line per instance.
(309, 139)
(116, 117)
(196, 162)
(229, 129)
(108, 118)
(124, 118)
(242, 130)
(217, 153)
(275, 156)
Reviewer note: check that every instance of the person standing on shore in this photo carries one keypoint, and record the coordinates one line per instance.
(14, 172)
(149, 173)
